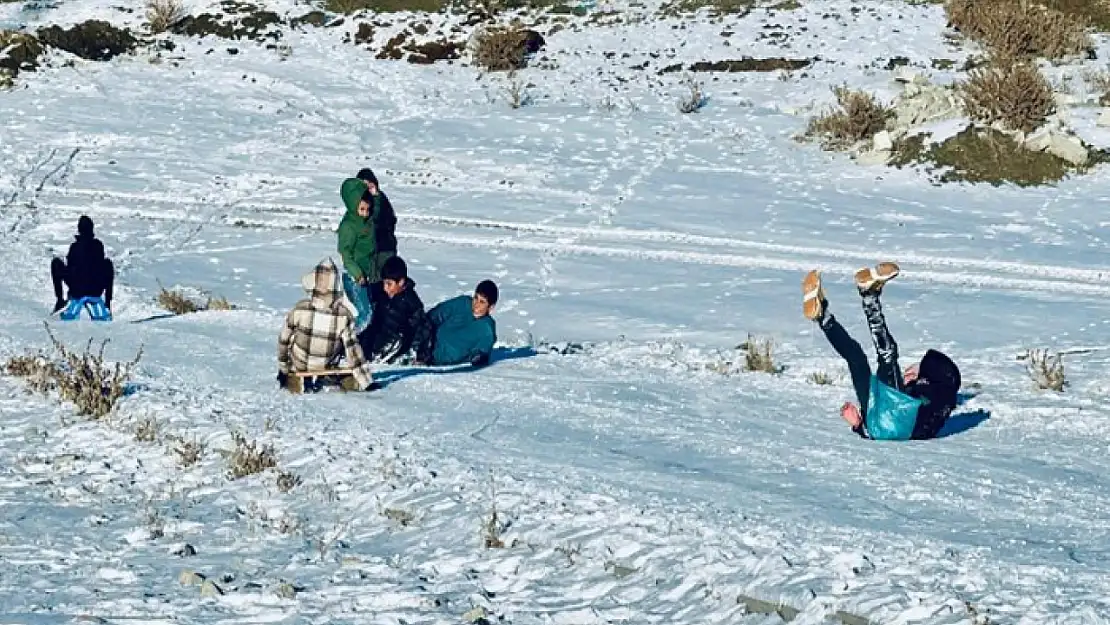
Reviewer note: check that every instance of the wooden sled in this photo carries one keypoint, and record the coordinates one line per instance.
(298, 379)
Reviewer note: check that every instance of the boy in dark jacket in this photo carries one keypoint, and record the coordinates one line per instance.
(397, 321)
(385, 223)
(85, 271)
(892, 405)
(461, 329)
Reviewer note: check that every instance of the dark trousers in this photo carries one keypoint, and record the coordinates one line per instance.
(83, 281)
(859, 365)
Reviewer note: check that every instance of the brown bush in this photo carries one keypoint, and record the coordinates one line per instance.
(249, 458)
(85, 380)
(501, 49)
(176, 302)
(1015, 94)
(1018, 28)
(161, 14)
(859, 116)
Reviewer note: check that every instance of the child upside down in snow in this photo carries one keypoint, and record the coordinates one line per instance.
(892, 405)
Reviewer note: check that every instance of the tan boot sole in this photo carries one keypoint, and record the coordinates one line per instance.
(873, 278)
(813, 305)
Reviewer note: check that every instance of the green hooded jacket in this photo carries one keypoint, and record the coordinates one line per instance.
(357, 240)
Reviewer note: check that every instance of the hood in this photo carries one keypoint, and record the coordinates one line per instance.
(323, 283)
(84, 227)
(367, 174)
(938, 378)
(352, 191)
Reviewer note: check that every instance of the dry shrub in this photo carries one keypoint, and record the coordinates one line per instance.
(287, 481)
(248, 458)
(188, 452)
(1046, 369)
(147, 430)
(83, 378)
(859, 116)
(1017, 28)
(39, 372)
(820, 378)
(218, 303)
(161, 14)
(501, 49)
(176, 302)
(694, 99)
(1015, 94)
(493, 527)
(759, 355)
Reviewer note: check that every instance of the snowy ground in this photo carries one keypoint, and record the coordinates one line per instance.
(641, 485)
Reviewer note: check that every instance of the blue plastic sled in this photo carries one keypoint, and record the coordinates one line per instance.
(360, 298)
(98, 311)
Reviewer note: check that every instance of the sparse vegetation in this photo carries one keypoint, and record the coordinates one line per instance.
(161, 14)
(492, 528)
(1018, 28)
(1015, 94)
(1046, 369)
(712, 7)
(147, 430)
(79, 377)
(857, 117)
(694, 99)
(248, 458)
(18, 52)
(820, 378)
(759, 355)
(982, 155)
(516, 92)
(287, 481)
(501, 49)
(94, 40)
(348, 7)
(218, 303)
(188, 452)
(176, 302)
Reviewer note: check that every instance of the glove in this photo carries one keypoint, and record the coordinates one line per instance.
(282, 379)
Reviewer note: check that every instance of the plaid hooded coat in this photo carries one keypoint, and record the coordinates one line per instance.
(320, 330)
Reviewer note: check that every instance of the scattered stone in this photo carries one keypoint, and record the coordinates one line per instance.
(364, 34)
(190, 578)
(95, 40)
(210, 589)
(185, 551)
(1059, 142)
(896, 62)
(882, 141)
(907, 75)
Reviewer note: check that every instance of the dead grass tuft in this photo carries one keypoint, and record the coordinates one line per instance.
(39, 372)
(188, 451)
(248, 458)
(176, 302)
(820, 378)
(1019, 28)
(857, 117)
(147, 430)
(85, 380)
(759, 355)
(287, 481)
(694, 99)
(501, 49)
(1046, 369)
(1014, 94)
(161, 14)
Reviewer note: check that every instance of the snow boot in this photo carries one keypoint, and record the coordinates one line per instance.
(813, 301)
(872, 279)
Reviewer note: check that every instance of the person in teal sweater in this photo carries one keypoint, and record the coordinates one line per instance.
(893, 405)
(461, 329)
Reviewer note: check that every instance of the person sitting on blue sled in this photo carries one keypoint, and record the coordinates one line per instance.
(892, 405)
(461, 329)
(86, 272)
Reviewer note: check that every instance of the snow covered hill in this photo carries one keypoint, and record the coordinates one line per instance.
(642, 477)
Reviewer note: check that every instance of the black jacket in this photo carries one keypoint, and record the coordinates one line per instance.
(385, 226)
(85, 267)
(396, 324)
(938, 383)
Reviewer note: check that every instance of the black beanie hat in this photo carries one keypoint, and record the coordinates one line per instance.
(367, 174)
(85, 225)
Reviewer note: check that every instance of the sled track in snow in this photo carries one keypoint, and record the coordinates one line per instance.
(632, 244)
